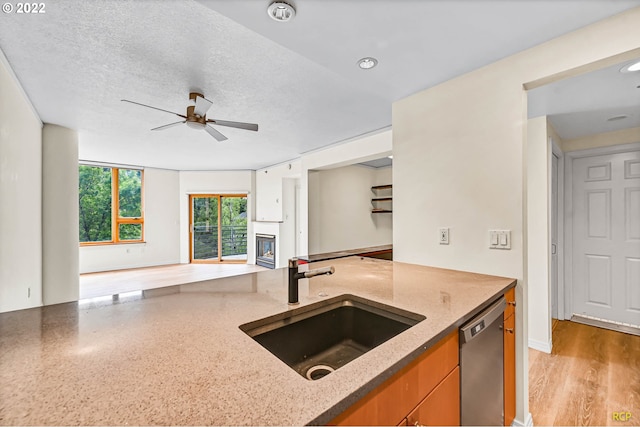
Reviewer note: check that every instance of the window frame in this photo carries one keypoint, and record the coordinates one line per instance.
(116, 219)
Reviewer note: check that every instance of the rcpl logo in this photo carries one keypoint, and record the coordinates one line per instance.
(622, 416)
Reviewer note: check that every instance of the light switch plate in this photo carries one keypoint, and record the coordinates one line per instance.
(499, 239)
(443, 236)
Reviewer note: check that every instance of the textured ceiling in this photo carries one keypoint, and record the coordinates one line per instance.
(383, 162)
(297, 80)
(580, 106)
(419, 43)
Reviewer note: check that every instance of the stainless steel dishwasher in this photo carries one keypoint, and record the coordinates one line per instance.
(481, 368)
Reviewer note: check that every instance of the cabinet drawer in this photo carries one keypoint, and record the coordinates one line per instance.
(510, 296)
(442, 406)
(390, 403)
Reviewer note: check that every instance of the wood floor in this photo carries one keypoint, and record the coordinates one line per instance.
(592, 375)
(115, 282)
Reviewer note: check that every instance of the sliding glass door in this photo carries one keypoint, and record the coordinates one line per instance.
(218, 228)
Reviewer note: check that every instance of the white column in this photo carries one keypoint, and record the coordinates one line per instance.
(60, 270)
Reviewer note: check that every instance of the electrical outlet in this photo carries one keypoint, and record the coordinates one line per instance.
(443, 236)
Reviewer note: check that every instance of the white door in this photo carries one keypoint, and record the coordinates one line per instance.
(606, 237)
(554, 236)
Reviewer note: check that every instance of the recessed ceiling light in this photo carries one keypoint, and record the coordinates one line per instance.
(281, 11)
(616, 118)
(367, 63)
(630, 68)
(391, 157)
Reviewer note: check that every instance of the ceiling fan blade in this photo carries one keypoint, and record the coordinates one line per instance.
(202, 106)
(155, 108)
(214, 133)
(239, 125)
(163, 127)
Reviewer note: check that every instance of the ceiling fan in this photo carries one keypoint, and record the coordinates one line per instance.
(196, 117)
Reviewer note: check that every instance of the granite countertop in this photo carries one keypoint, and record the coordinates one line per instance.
(345, 253)
(176, 355)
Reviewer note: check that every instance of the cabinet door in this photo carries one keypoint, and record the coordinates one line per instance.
(509, 369)
(510, 296)
(268, 196)
(442, 406)
(393, 400)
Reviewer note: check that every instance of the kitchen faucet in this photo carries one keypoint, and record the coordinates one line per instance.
(295, 275)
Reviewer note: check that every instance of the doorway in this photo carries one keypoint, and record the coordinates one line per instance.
(554, 276)
(218, 228)
(605, 199)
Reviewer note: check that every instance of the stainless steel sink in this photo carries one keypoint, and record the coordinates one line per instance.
(317, 339)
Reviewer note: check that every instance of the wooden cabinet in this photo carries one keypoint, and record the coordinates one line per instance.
(442, 406)
(397, 398)
(509, 358)
(510, 296)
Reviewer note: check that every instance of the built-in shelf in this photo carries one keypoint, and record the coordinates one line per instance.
(382, 204)
(382, 187)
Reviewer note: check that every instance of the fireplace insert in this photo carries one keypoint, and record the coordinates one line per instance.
(266, 250)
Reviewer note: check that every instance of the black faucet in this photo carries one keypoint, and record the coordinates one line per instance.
(295, 275)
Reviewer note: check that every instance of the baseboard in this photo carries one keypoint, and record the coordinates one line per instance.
(540, 345)
(528, 422)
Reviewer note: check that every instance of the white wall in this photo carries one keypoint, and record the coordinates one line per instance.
(287, 248)
(340, 209)
(60, 222)
(161, 230)
(361, 149)
(20, 196)
(276, 208)
(607, 139)
(269, 187)
(459, 162)
(538, 152)
(219, 182)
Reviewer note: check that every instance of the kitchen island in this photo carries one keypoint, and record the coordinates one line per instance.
(177, 356)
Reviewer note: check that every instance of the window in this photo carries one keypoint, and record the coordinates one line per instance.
(111, 209)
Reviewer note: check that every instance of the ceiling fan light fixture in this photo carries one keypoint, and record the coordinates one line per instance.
(195, 125)
(367, 63)
(281, 11)
(630, 68)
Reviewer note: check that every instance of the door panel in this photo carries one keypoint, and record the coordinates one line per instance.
(598, 280)
(606, 237)
(218, 228)
(632, 209)
(633, 284)
(204, 228)
(233, 228)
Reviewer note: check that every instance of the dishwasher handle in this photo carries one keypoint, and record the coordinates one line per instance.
(482, 321)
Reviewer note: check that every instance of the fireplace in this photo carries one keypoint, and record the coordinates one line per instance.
(266, 250)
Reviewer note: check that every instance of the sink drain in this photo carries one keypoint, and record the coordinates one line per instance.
(318, 371)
